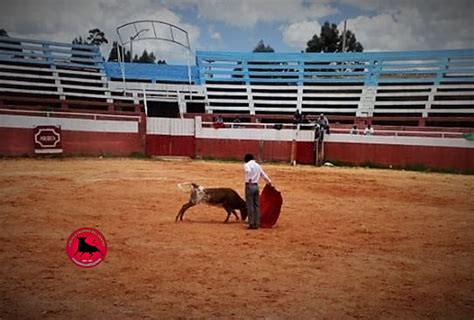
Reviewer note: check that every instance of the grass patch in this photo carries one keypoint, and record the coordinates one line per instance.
(338, 163)
(226, 159)
(373, 165)
(417, 167)
(420, 167)
(137, 155)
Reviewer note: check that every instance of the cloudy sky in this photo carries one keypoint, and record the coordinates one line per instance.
(237, 25)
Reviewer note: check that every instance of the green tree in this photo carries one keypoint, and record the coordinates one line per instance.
(113, 54)
(352, 45)
(261, 47)
(96, 37)
(147, 57)
(79, 40)
(144, 58)
(330, 40)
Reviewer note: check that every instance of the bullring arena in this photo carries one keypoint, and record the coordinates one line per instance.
(350, 243)
(375, 224)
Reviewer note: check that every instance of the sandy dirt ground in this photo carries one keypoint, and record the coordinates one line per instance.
(350, 243)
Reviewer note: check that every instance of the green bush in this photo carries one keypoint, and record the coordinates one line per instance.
(137, 155)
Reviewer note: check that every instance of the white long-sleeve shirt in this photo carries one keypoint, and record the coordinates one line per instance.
(253, 172)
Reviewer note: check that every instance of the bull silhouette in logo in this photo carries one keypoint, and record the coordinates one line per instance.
(84, 247)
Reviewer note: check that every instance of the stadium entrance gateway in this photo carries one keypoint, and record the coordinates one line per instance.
(47, 139)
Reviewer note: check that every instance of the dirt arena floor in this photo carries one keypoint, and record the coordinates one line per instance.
(350, 243)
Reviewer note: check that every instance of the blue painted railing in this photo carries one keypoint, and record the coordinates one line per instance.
(50, 54)
(151, 72)
(368, 68)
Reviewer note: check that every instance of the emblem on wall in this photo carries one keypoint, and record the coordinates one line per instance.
(47, 139)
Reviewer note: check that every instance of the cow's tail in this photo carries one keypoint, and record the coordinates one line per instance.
(187, 186)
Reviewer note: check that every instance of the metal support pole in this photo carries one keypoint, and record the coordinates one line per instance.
(131, 49)
(344, 37)
(145, 104)
(294, 146)
(121, 58)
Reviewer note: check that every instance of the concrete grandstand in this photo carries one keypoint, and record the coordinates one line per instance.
(421, 104)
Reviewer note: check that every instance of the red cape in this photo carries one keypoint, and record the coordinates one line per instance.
(270, 206)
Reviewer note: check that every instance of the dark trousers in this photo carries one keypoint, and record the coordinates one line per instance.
(253, 204)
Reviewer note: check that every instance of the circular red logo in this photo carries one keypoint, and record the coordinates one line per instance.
(86, 247)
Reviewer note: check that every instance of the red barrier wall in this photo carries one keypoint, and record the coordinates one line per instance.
(94, 143)
(401, 155)
(165, 145)
(262, 150)
(236, 149)
(19, 142)
(305, 153)
(354, 153)
(16, 142)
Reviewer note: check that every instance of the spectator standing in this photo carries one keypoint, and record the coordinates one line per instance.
(218, 122)
(368, 131)
(323, 123)
(236, 121)
(354, 130)
(297, 117)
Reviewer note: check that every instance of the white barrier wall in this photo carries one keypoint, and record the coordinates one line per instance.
(398, 140)
(28, 122)
(169, 126)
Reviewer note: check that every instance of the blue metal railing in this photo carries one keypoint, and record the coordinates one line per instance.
(51, 54)
(369, 68)
(151, 72)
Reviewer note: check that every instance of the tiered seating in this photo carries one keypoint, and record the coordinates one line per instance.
(51, 75)
(410, 88)
(419, 88)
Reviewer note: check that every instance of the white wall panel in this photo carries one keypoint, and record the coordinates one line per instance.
(28, 122)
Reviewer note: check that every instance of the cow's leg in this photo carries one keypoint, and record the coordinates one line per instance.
(235, 214)
(229, 212)
(185, 207)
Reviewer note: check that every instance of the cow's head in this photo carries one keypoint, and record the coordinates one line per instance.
(243, 213)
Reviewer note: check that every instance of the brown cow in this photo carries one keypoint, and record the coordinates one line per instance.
(227, 198)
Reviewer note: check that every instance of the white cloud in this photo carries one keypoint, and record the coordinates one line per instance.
(62, 21)
(384, 32)
(247, 13)
(382, 24)
(399, 25)
(296, 35)
(413, 28)
(213, 34)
